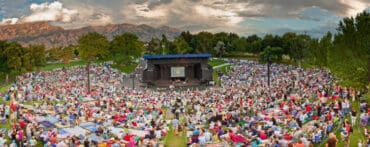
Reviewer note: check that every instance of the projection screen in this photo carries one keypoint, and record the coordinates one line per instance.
(177, 72)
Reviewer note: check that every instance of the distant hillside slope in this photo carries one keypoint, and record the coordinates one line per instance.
(54, 36)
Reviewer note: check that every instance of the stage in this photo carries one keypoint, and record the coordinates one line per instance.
(176, 70)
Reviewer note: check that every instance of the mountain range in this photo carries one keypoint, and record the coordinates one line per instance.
(55, 36)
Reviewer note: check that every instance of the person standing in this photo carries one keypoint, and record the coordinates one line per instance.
(175, 124)
(332, 140)
(353, 117)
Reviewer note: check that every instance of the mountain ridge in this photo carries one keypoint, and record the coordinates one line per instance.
(56, 36)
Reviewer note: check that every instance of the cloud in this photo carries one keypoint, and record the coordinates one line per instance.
(187, 15)
(50, 12)
(89, 16)
(7, 21)
(193, 15)
(53, 11)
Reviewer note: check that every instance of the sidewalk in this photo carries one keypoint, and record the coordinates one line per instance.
(222, 65)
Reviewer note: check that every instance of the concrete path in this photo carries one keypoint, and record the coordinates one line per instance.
(169, 114)
(222, 65)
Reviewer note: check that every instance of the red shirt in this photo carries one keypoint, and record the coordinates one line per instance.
(53, 140)
(127, 137)
(22, 124)
(287, 137)
(263, 136)
(329, 116)
(348, 128)
(308, 108)
(134, 124)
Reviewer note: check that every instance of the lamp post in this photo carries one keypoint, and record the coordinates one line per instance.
(88, 76)
(163, 48)
(132, 76)
(268, 60)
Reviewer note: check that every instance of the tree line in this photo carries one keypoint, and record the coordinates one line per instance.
(15, 59)
(346, 53)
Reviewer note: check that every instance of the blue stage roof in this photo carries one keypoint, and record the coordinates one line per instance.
(176, 56)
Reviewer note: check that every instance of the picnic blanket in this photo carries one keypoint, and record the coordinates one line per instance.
(29, 107)
(140, 133)
(78, 131)
(89, 126)
(52, 119)
(63, 134)
(116, 131)
(39, 118)
(86, 99)
(93, 137)
(2, 130)
(46, 124)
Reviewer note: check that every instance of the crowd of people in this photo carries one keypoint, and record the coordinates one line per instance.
(297, 107)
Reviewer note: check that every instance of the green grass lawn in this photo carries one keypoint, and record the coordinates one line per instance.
(173, 140)
(358, 131)
(62, 64)
(4, 88)
(223, 69)
(7, 125)
(127, 68)
(216, 62)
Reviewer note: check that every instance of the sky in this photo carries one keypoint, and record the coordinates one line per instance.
(244, 17)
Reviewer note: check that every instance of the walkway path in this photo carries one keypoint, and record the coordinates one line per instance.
(222, 65)
(169, 114)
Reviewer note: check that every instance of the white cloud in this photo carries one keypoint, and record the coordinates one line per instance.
(355, 6)
(228, 17)
(182, 14)
(7, 21)
(144, 11)
(50, 12)
(193, 15)
(54, 12)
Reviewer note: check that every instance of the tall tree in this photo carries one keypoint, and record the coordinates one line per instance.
(187, 36)
(220, 48)
(204, 42)
(27, 59)
(165, 45)
(3, 60)
(273, 54)
(92, 46)
(321, 52)
(182, 47)
(4, 69)
(269, 55)
(349, 59)
(153, 46)
(125, 48)
(312, 52)
(239, 44)
(13, 53)
(37, 53)
(67, 53)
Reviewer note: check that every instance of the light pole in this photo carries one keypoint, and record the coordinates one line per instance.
(268, 59)
(132, 76)
(88, 76)
(163, 48)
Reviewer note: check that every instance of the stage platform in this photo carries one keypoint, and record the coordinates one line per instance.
(162, 70)
(166, 83)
